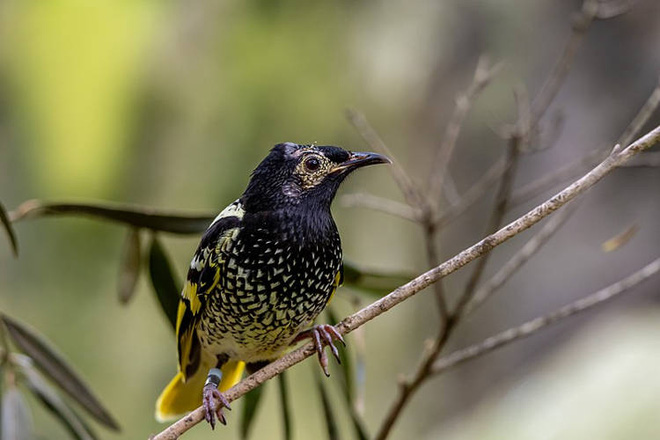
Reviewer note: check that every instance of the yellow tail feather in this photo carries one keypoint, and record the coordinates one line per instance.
(179, 397)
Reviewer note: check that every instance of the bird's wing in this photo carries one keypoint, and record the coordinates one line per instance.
(339, 280)
(206, 271)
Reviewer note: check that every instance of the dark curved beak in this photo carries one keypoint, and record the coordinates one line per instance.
(358, 160)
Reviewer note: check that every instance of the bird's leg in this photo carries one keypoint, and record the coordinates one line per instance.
(213, 399)
(322, 334)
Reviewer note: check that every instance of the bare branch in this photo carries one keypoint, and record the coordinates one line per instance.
(544, 183)
(483, 75)
(518, 139)
(433, 261)
(581, 23)
(533, 326)
(410, 191)
(573, 169)
(642, 117)
(476, 191)
(409, 289)
(392, 207)
(519, 259)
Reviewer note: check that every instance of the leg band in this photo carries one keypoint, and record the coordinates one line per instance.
(214, 377)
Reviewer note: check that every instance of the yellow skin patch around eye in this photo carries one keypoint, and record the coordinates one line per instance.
(310, 179)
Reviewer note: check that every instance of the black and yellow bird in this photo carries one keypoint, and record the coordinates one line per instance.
(264, 270)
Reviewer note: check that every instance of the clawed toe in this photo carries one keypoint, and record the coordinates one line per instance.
(214, 402)
(321, 335)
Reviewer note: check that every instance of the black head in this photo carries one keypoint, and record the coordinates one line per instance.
(305, 176)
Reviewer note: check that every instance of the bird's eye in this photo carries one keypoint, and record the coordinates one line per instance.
(312, 163)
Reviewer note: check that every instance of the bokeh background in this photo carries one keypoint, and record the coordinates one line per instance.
(172, 104)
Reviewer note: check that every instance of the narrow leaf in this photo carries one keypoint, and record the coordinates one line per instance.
(130, 266)
(285, 404)
(139, 217)
(375, 282)
(55, 404)
(16, 417)
(164, 281)
(53, 365)
(250, 404)
(328, 413)
(620, 239)
(9, 229)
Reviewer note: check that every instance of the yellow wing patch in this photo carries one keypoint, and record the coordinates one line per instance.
(204, 276)
(190, 293)
(339, 280)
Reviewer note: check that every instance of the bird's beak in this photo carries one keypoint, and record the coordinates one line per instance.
(357, 160)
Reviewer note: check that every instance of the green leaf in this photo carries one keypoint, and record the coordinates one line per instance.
(9, 229)
(139, 217)
(285, 404)
(130, 266)
(16, 417)
(348, 382)
(328, 413)
(164, 281)
(250, 404)
(375, 282)
(54, 403)
(53, 365)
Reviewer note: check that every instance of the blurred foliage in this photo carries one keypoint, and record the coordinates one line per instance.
(9, 229)
(19, 368)
(172, 104)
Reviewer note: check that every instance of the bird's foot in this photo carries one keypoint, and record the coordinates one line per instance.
(323, 334)
(214, 402)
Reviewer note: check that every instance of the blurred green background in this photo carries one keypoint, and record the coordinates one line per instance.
(172, 104)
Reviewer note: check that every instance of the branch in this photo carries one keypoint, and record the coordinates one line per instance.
(517, 140)
(519, 259)
(573, 169)
(544, 183)
(409, 289)
(381, 204)
(483, 75)
(410, 191)
(472, 195)
(530, 327)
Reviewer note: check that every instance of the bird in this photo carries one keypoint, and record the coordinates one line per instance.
(265, 268)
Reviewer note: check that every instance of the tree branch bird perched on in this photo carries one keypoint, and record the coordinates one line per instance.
(264, 270)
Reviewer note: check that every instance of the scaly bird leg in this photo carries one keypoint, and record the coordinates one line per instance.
(213, 399)
(323, 334)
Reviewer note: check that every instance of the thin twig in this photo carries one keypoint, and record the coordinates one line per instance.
(483, 75)
(472, 195)
(642, 117)
(517, 141)
(410, 191)
(433, 261)
(569, 171)
(580, 25)
(530, 327)
(519, 259)
(548, 181)
(387, 206)
(426, 279)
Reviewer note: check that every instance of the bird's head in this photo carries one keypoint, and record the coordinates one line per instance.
(306, 176)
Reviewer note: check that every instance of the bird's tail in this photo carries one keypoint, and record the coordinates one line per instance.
(179, 397)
